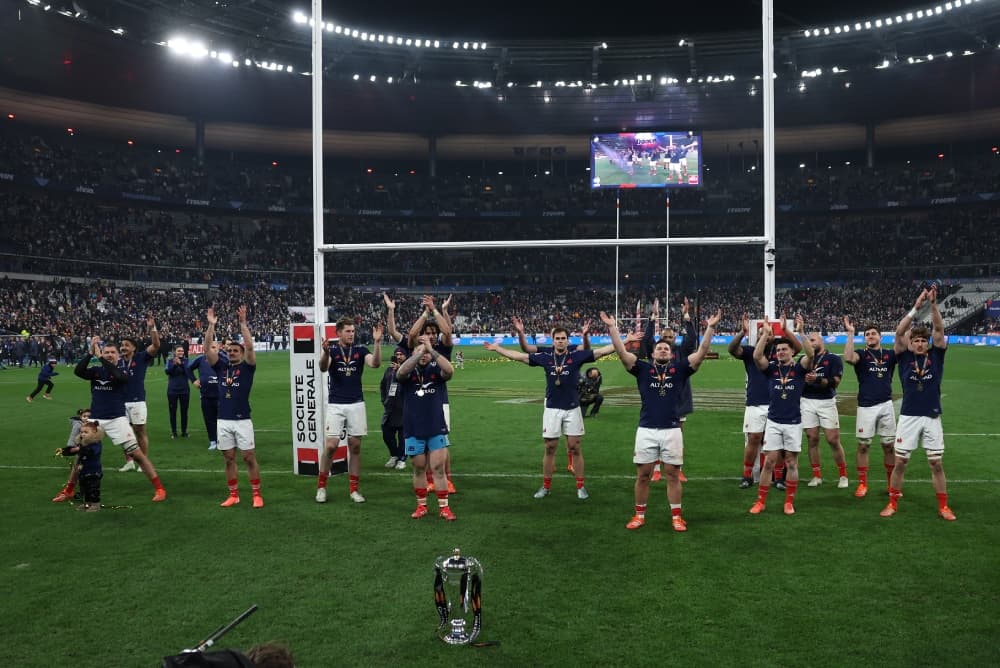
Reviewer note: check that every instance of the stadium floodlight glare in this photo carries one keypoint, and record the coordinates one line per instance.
(680, 43)
(248, 62)
(409, 41)
(883, 65)
(930, 56)
(949, 54)
(299, 17)
(236, 63)
(836, 29)
(437, 44)
(198, 50)
(372, 78)
(388, 79)
(868, 25)
(338, 29)
(391, 39)
(802, 165)
(826, 31)
(547, 99)
(909, 16)
(604, 45)
(663, 81)
(118, 31)
(465, 45)
(857, 26)
(364, 36)
(454, 45)
(354, 33)
(288, 68)
(937, 10)
(847, 84)
(947, 6)
(356, 77)
(878, 23)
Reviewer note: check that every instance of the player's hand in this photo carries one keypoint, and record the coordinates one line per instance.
(714, 320)
(489, 345)
(242, 312)
(811, 377)
(800, 324)
(427, 301)
(210, 316)
(390, 304)
(608, 320)
(632, 337)
(197, 384)
(932, 294)
(586, 327)
(745, 323)
(518, 324)
(446, 302)
(150, 322)
(377, 332)
(848, 327)
(920, 299)
(684, 308)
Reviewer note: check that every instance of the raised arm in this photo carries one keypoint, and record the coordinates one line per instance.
(154, 334)
(690, 331)
(758, 350)
(850, 355)
(902, 341)
(800, 327)
(417, 328)
(515, 355)
(586, 334)
(211, 355)
(628, 359)
(390, 306)
(521, 339)
(406, 368)
(698, 356)
(447, 370)
(249, 354)
(937, 322)
(374, 359)
(736, 345)
(443, 319)
(807, 355)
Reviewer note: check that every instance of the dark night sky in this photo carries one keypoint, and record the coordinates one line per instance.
(563, 19)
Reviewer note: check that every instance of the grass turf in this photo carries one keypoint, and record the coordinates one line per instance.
(565, 583)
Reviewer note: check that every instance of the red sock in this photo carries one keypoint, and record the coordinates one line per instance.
(640, 510)
(255, 486)
(816, 473)
(675, 512)
(430, 475)
(421, 493)
(579, 483)
(233, 486)
(354, 482)
(547, 482)
(156, 483)
(70, 487)
(942, 500)
(762, 491)
(747, 467)
(863, 475)
(888, 473)
(842, 469)
(321, 484)
(894, 495)
(790, 489)
(442, 498)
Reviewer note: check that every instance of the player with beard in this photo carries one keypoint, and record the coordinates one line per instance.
(659, 437)
(783, 431)
(758, 398)
(421, 378)
(874, 368)
(134, 363)
(235, 428)
(920, 355)
(562, 416)
(108, 390)
(345, 362)
(819, 409)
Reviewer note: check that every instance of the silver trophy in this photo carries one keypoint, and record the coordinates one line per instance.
(458, 585)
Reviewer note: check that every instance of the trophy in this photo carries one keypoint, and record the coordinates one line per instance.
(458, 584)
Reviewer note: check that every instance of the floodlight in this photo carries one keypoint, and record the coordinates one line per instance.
(299, 17)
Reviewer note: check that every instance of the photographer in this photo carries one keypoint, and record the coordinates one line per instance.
(589, 389)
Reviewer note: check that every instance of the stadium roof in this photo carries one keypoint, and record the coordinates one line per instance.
(540, 67)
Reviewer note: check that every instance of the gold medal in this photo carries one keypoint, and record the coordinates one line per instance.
(920, 387)
(784, 395)
(347, 372)
(663, 391)
(558, 381)
(879, 374)
(229, 395)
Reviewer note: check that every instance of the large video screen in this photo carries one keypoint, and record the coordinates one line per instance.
(645, 160)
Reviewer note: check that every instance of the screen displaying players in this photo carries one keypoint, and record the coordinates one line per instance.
(645, 160)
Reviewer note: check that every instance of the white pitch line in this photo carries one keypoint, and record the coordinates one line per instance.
(404, 476)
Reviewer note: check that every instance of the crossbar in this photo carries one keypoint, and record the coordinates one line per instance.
(545, 243)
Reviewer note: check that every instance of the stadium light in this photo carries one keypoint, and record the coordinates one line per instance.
(299, 17)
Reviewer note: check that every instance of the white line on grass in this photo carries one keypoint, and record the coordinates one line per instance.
(386, 474)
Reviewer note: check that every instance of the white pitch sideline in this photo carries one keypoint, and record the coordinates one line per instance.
(461, 476)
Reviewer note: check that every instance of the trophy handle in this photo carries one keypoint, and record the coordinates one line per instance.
(440, 600)
(476, 598)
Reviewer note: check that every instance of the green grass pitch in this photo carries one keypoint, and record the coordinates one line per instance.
(565, 583)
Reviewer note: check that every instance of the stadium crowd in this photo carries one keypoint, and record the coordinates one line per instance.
(544, 183)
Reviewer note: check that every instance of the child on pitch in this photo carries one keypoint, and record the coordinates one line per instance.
(68, 490)
(86, 447)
